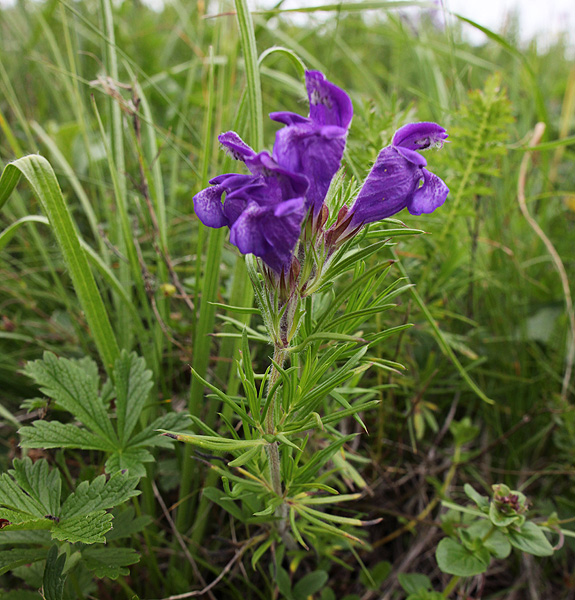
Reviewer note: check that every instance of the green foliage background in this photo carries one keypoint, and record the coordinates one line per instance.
(126, 103)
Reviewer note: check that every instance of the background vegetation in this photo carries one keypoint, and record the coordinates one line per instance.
(126, 104)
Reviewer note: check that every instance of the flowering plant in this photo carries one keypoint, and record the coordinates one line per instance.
(279, 212)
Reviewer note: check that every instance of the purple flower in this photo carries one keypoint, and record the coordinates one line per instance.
(264, 210)
(314, 145)
(399, 178)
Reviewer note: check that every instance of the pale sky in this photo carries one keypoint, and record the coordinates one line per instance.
(541, 18)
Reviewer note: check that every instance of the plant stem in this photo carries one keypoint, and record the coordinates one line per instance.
(451, 585)
(272, 449)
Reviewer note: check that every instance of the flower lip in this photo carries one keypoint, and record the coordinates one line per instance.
(328, 104)
(419, 136)
(235, 146)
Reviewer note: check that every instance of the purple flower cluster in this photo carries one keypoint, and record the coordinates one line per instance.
(265, 209)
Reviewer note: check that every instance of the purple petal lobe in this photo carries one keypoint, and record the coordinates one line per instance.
(307, 150)
(419, 136)
(429, 196)
(208, 207)
(328, 104)
(412, 156)
(288, 118)
(388, 188)
(247, 234)
(270, 232)
(236, 147)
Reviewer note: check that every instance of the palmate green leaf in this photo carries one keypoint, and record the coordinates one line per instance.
(88, 529)
(74, 386)
(30, 489)
(109, 562)
(13, 538)
(30, 499)
(53, 434)
(99, 494)
(130, 459)
(10, 559)
(127, 524)
(133, 384)
(75, 389)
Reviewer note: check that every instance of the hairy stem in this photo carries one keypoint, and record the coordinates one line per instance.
(272, 449)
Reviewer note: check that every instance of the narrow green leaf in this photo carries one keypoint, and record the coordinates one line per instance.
(42, 179)
(260, 551)
(248, 41)
(12, 229)
(227, 504)
(53, 580)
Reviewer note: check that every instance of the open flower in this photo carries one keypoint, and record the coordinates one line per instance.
(314, 145)
(399, 178)
(264, 210)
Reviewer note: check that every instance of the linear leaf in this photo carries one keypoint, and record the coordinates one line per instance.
(151, 437)
(40, 175)
(53, 580)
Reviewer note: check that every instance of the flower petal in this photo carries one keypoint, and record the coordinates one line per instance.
(247, 234)
(269, 232)
(419, 136)
(315, 152)
(288, 118)
(208, 207)
(328, 104)
(282, 230)
(429, 196)
(387, 189)
(236, 147)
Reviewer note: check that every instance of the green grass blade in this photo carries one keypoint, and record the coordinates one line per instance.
(40, 175)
